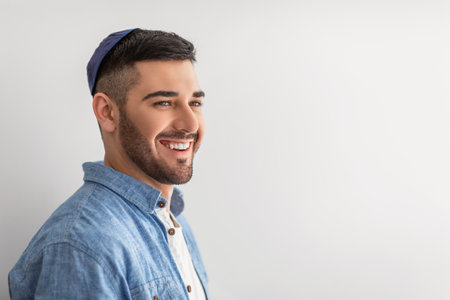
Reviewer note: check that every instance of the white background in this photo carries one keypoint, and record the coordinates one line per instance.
(325, 170)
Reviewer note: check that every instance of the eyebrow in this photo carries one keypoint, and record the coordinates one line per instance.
(160, 94)
(197, 94)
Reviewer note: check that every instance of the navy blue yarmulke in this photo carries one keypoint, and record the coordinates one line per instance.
(105, 46)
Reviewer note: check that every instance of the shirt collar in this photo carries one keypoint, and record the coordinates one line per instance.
(140, 194)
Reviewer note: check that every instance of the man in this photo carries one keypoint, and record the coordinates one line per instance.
(122, 234)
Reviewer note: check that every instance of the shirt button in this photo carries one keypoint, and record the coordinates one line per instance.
(171, 231)
(155, 298)
(189, 289)
(161, 204)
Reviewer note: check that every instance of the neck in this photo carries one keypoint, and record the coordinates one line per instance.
(129, 168)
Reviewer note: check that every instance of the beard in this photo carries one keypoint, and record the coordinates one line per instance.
(137, 147)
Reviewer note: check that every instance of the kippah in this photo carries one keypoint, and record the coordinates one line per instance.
(105, 46)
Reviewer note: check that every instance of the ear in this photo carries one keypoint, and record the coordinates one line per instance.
(105, 111)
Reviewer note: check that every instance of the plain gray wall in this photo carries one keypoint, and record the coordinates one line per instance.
(325, 170)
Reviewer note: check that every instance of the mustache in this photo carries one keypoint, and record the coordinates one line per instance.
(177, 135)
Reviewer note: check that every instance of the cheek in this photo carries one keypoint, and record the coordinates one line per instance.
(151, 126)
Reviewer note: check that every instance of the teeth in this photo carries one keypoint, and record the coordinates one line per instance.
(178, 146)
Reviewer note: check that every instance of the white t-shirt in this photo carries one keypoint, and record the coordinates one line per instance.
(181, 255)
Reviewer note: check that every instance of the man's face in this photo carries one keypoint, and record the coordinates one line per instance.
(161, 125)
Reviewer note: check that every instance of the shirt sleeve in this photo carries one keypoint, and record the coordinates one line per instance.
(68, 272)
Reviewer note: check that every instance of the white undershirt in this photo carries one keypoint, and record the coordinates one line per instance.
(181, 255)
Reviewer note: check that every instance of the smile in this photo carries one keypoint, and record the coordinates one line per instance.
(176, 145)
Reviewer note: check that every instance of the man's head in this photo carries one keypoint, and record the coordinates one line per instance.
(147, 101)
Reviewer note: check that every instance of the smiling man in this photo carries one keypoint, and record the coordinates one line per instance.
(122, 235)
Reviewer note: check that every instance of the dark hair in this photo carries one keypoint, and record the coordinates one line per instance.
(117, 74)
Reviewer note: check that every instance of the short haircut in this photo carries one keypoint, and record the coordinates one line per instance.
(117, 73)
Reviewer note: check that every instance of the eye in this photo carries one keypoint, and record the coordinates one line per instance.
(196, 103)
(163, 103)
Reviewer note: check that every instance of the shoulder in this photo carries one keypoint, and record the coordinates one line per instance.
(95, 221)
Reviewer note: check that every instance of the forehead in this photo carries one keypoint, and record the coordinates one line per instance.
(175, 75)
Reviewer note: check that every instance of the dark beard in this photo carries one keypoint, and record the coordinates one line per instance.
(138, 150)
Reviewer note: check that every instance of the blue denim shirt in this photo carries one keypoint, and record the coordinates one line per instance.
(105, 242)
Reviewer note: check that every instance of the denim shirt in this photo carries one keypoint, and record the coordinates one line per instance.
(105, 242)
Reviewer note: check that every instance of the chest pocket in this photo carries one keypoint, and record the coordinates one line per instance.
(158, 289)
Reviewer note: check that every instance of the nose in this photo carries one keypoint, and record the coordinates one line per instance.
(186, 119)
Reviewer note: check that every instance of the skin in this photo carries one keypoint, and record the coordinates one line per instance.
(163, 107)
